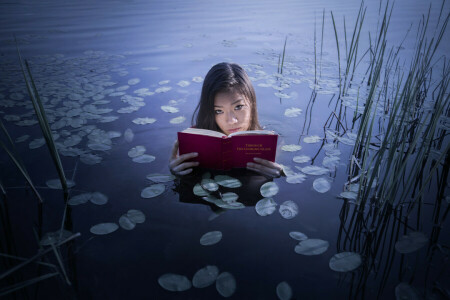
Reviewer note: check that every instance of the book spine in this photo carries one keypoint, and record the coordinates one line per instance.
(227, 154)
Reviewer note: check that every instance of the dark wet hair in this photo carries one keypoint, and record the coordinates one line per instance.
(224, 77)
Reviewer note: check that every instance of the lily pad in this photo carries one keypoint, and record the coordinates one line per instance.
(292, 112)
(405, 291)
(288, 209)
(134, 81)
(56, 184)
(136, 216)
(299, 236)
(411, 242)
(144, 121)
(209, 185)
(177, 120)
(312, 139)
(136, 151)
(349, 195)
(291, 148)
(345, 261)
(174, 282)
(265, 207)
(169, 109)
(104, 228)
(128, 135)
(79, 199)
(153, 191)
(197, 79)
(284, 291)
(333, 152)
(90, 159)
(98, 198)
(321, 185)
(227, 181)
(269, 189)
(199, 191)
(54, 237)
(205, 276)
(156, 177)
(226, 284)
(211, 238)
(229, 197)
(301, 159)
(312, 247)
(126, 223)
(183, 83)
(163, 89)
(144, 158)
(295, 178)
(222, 204)
(314, 170)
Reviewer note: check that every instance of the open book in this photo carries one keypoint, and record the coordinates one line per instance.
(219, 151)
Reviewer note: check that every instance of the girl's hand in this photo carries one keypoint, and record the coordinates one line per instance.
(177, 164)
(265, 167)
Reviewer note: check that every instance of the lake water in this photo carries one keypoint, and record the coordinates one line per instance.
(105, 67)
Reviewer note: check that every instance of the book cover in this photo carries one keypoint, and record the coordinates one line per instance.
(222, 152)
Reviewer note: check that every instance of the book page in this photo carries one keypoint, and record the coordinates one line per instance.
(252, 132)
(206, 132)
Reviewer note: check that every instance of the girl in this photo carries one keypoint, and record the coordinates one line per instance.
(227, 104)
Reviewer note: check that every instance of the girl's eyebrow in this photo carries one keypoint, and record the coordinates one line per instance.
(238, 100)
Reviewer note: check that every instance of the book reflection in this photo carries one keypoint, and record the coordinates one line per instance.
(249, 192)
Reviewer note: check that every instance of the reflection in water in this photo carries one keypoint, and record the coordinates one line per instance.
(248, 192)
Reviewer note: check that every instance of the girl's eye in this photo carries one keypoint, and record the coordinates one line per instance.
(218, 111)
(239, 107)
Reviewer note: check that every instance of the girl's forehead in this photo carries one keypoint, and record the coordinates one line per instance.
(229, 96)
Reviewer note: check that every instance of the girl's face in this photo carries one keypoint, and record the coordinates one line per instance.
(232, 112)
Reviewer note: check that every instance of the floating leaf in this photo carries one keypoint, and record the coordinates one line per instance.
(312, 247)
(284, 291)
(156, 177)
(98, 198)
(128, 135)
(163, 82)
(405, 291)
(199, 191)
(174, 282)
(229, 197)
(143, 121)
(291, 148)
(349, 195)
(333, 152)
(144, 158)
(288, 209)
(330, 162)
(269, 189)
(153, 191)
(183, 83)
(205, 276)
(163, 89)
(126, 223)
(227, 181)
(314, 170)
(90, 159)
(265, 207)
(222, 204)
(55, 237)
(209, 184)
(299, 236)
(134, 81)
(211, 238)
(411, 242)
(345, 261)
(312, 139)
(197, 79)
(177, 120)
(104, 228)
(79, 199)
(301, 159)
(169, 109)
(292, 112)
(36, 143)
(226, 284)
(295, 178)
(136, 216)
(136, 151)
(56, 184)
(321, 185)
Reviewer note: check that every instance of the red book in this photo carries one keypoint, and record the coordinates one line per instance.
(219, 151)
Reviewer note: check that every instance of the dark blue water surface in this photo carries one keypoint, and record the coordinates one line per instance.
(84, 57)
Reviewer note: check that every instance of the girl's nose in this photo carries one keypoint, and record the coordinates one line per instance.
(231, 118)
